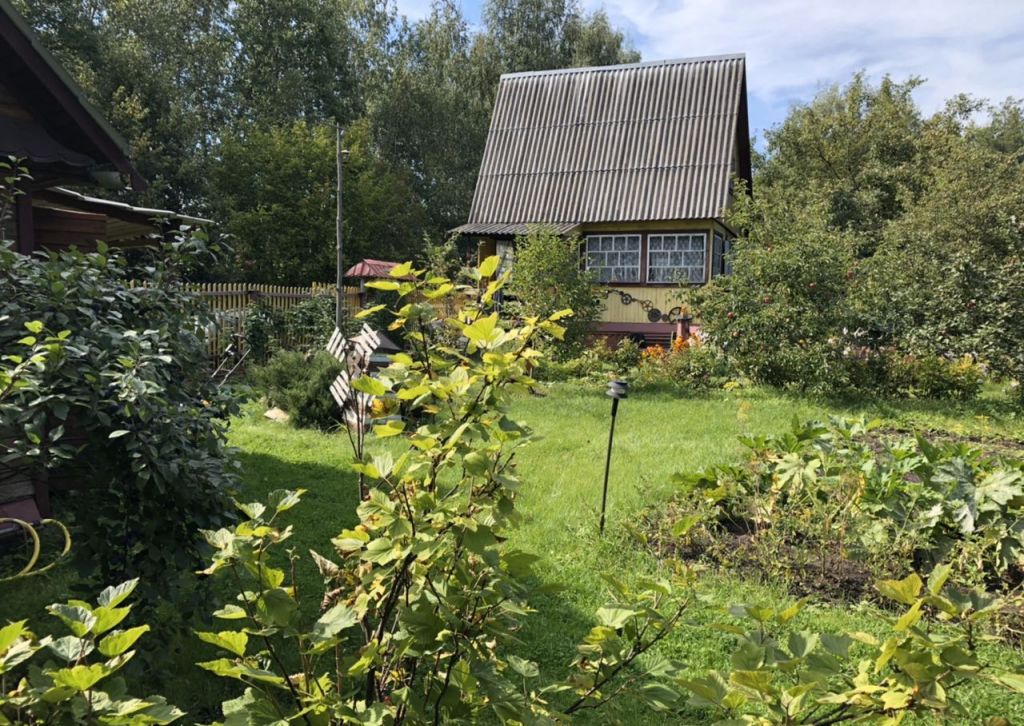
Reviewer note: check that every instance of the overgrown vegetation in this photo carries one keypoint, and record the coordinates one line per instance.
(881, 251)
(299, 383)
(547, 277)
(831, 508)
(81, 685)
(129, 395)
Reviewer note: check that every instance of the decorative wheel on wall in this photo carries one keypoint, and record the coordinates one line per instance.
(654, 315)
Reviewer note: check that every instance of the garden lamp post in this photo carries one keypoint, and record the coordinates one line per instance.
(617, 390)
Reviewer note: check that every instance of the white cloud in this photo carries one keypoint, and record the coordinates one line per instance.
(794, 47)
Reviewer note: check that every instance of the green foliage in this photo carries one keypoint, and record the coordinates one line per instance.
(597, 363)
(13, 175)
(687, 364)
(877, 234)
(929, 653)
(547, 277)
(422, 602)
(300, 384)
(132, 385)
(305, 327)
(819, 496)
(78, 681)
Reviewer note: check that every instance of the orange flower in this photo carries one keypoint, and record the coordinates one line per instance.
(654, 352)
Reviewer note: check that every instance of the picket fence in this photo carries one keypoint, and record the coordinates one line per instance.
(230, 303)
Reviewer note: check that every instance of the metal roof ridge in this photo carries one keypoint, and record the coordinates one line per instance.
(624, 66)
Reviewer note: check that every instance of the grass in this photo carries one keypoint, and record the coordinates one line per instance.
(657, 435)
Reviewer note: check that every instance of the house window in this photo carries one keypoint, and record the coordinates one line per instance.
(676, 257)
(614, 258)
(721, 260)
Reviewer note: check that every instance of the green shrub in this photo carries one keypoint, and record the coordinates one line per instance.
(782, 676)
(82, 685)
(819, 497)
(132, 384)
(305, 327)
(598, 362)
(547, 277)
(300, 384)
(685, 365)
(422, 602)
(263, 328)
(932, 376)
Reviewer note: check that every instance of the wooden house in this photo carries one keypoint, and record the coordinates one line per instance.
(639, 160)
(48, 125)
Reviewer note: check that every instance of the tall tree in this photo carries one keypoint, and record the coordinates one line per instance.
(306, 59)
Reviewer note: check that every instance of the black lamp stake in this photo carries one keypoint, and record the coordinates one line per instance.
(617, 390)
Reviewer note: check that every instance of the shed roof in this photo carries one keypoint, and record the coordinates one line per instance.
(636, 142)
(123, 221)
(373, 269)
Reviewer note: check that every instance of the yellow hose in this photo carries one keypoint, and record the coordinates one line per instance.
(27, 570)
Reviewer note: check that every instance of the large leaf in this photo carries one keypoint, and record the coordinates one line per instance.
(614, 616)
(119, 641)
(115, 595)
(904, 591)
(229, 640)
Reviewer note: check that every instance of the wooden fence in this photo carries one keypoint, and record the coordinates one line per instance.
(231, 303)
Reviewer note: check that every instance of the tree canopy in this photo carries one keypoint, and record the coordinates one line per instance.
(875, 233)
(230, 107)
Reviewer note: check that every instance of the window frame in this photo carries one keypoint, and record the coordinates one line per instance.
(640, 270)
(702, 234)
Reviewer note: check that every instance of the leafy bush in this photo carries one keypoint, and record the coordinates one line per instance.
(687, 364)
(818, 497)
(898, 233)
(932, 376)
(422, 600)
(547, 277)
(132, 385)
(300, 384)
(801, 677)
(598, 362)
(78, 687)
(304, 327)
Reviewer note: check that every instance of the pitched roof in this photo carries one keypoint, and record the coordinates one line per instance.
(643, 141)
(58, 103)
(373, 269)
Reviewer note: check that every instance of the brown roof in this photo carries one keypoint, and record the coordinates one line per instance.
(42, 86)
(372, 269)
(644, 141)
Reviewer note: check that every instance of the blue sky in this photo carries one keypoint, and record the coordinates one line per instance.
(796, 47)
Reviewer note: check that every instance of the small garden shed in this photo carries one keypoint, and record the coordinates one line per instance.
(637, 159)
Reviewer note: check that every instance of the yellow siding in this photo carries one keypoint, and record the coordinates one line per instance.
(663, 298)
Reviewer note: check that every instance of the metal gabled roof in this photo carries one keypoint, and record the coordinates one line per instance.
(636, 142)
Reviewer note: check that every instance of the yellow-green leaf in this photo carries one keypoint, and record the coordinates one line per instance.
(119, 641)
(230, 640)
(489, 266)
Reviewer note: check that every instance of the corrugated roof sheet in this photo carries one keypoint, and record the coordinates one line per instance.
(645, 141)
(514, 228)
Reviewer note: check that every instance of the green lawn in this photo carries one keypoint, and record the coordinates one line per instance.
(657, 434)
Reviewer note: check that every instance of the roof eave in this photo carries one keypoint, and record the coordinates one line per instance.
(67, 93)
